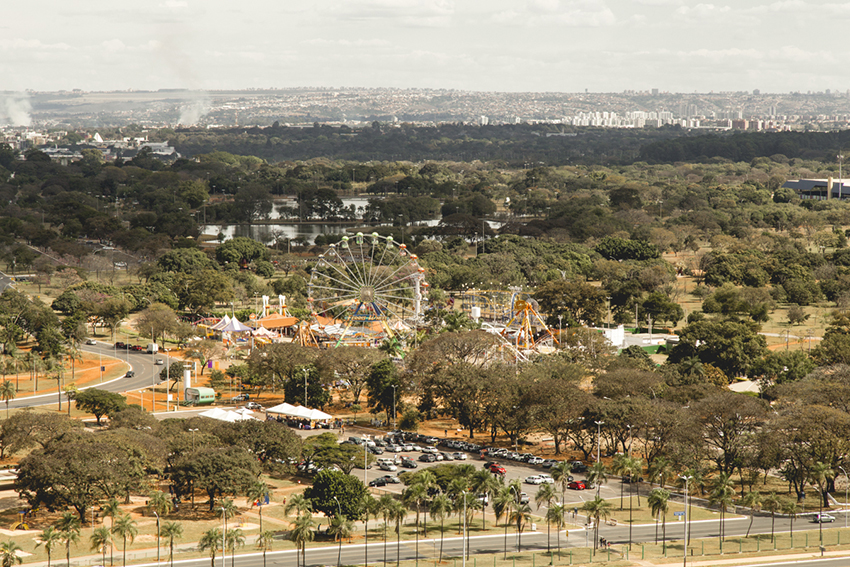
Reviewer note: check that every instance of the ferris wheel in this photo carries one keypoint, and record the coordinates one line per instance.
(367, 279)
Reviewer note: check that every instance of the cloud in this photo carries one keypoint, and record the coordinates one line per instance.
(410, 13)
(574, 13)
(32, 45)
(703, 10)
(175, 5)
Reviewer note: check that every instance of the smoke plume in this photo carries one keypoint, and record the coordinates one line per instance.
(15, 110)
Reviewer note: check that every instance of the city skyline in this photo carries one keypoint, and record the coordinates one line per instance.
(493, 46)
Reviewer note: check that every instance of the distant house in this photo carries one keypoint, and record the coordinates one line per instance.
(819, 189)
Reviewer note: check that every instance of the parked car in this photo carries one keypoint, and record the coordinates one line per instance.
(119, 344)
(823, 519)
(497, 469)
(408, 463)
(428, 458)
(577, 485)
(432, 450)
(385, 466)
(240, 398)
(523, 498)
(378, 482)
(535, 461)
(391, 479)
(578, 466)
(547, 479)
(534, 479)
(254, 406)
(375, 450)
(159, 362)
(447, 456)
(458, 456)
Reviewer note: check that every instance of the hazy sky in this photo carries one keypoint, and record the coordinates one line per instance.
(505, 45)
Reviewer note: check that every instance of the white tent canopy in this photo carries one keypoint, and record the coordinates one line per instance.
(230, 416)
(234, 326)
(299, 411)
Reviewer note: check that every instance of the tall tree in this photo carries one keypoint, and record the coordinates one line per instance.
(125, 528)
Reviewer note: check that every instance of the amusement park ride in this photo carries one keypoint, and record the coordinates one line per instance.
(364, 289)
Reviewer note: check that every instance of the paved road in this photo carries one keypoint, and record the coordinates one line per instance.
(5, 281)
(147, 374)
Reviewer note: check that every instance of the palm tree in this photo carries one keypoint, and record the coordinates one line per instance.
(369, 507)
(257, 494)
(7, 393)
(660, 469)
(69, 526)
(503, 501)
(229, 508)
(721, 495)
(562, 475)
(398, 512)
(171, 531)
(264, 542)
(484, 482)
(658, 501)
(751, 500)
(820, 475)
(112, 508)
(555, 515)
(545, 495)
(772, 504)
(100, 539)
(209, 541)
(520, 516)
(597, 474)
(341, 528)
(9, 554)
(298, 503)
(49, 538)
(235, 538)
(427, 481)
(125, 528)
(790, 509)
(413, 496)
(384, 507)
(160, 502)
(302, 532)
(599, 510)
(440, 507)
(618, 466)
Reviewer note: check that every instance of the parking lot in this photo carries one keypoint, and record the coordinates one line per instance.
(413, 451)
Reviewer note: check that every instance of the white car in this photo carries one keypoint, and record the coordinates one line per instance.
(823, 519)
(432, 450)
(535, 461)
(159, 362)
(408, 447)
(546, 479)
(459, 456)
(91, 342)
(388, 467)
(534, 479)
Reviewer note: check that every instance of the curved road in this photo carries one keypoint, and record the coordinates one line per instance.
(147, 374)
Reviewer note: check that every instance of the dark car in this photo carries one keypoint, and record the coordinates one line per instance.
(409, 463)
(375, 450)
(578, 466)
(428, 458)
(129, 374)
(378, 482)
(120, 345)
(391, 479)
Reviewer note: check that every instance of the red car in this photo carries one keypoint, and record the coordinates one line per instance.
(497, 469)
(577, 485)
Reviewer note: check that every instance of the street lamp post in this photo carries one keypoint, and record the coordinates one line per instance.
(846, 486)
(339, 519)
(223, 538)
(686, 478)
(394, 412)
(599, 425)
(193, 438)
(157, 536)
(305, 387)
(513, 488)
